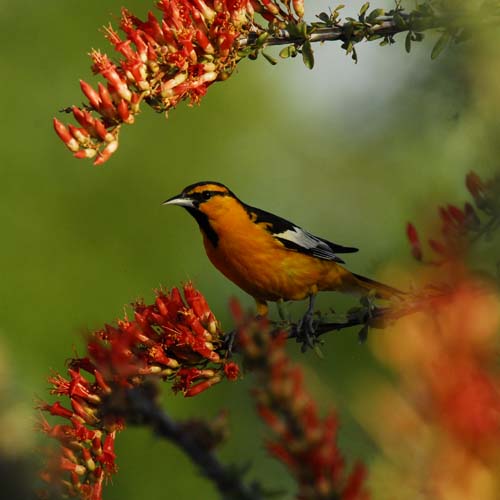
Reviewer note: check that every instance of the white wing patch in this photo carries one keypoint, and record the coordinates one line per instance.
(307, 241)
(300, 237)
(295, 238)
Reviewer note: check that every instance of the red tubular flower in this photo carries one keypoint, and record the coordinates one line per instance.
(78, 467)
(460, 227)
(476, 188)
(303, 441)
(414, 240)
(164, 61)
(174, 338)
(456, 214)
(455, 225)
(65, 136)
(438, 247)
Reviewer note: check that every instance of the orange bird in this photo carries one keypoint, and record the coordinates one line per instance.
(268, 257)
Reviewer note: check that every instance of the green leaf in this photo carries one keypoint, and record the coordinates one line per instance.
(354, 55)
(270, 59)
(285, 52)
(440, 45)
(261, 39)
(324, 17)
(308, 55)
(288, 51)
(302, 27)
(408, 42)
(245, 52)
(292, 28)
(374, 14)
(399, 21)
(363, 9)
(348, 30)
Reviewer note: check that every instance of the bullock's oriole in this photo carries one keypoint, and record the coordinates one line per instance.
(269, 257)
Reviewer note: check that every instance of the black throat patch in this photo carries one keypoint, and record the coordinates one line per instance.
(205, 226)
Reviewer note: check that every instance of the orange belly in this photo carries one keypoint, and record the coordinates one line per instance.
(268, 271)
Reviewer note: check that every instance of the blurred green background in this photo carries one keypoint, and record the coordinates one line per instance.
(351, 152)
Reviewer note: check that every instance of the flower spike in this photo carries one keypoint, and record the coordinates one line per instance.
(175, 338)
(164, 60)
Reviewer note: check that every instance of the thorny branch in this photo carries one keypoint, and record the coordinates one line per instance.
(453, 25)
(382, 26)
(368, 315)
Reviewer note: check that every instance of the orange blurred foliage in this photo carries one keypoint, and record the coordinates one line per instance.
(438, 423)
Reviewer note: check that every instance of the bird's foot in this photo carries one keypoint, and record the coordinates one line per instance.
(306, 332)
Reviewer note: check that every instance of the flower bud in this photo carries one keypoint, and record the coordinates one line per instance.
(65, 136)
(91, 94)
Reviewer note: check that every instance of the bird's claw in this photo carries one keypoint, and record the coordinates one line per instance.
(306, 332)
(306, 329)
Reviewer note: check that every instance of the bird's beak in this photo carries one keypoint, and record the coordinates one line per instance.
(181, 200)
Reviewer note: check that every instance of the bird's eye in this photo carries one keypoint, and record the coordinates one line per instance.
(206, 195)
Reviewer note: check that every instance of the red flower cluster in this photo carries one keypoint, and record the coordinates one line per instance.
(85, 456)
(304, 442)
(170, 338)
(164, 61)
(174, 339)
(459, 226)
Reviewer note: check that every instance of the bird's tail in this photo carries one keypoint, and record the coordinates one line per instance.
(361, 283)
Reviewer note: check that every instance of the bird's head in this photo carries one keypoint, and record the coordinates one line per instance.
(203, 197)
(209, 203)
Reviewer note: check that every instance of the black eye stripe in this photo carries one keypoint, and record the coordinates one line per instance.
(206, 195)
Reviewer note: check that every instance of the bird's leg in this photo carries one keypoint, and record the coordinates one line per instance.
(262, 308)
(283, 312)
(305, 329)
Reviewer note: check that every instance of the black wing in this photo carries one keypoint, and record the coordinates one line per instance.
(296, 238)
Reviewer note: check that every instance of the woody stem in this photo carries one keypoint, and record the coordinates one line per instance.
(226, 478)
(383, 26)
